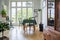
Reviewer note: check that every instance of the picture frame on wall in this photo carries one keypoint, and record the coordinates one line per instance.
(43, 3)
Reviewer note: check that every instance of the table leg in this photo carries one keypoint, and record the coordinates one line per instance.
(24, 27)
(34, 28)
(29, 28)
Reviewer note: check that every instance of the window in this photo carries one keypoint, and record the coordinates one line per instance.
(13, 4)
(29, 4)
(50, 9)
(24, 13)
(23, 4)
(20, 10)
(13, 13)
(29, 12)
(18, 4)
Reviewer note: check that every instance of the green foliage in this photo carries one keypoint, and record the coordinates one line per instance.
(4, 26)
(3, 12)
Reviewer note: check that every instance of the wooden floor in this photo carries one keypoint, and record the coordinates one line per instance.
(17, 33)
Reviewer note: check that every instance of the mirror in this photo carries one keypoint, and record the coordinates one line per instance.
(51, 14)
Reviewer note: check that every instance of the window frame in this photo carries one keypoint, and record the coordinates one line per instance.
(21, 8)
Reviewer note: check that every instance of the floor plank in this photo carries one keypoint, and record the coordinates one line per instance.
(17, 33)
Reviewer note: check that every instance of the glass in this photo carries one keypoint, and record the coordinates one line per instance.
(13, 4)
(18, 4)
(13, 10)
(18, 14)
(23, 4)
(48, 13)
(29, 12)
(24, 13)
(51, 13)
(29, 4)
(51, 4)
(50, 9)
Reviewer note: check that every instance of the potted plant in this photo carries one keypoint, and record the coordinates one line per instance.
(3, 13)
(3, 27)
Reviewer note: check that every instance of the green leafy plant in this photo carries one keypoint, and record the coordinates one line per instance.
(3, 27)
(3, 13)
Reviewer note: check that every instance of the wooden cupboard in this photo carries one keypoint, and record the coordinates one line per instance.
(53, 33)
(57, 15)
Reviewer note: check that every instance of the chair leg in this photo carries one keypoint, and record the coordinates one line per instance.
(24, 27)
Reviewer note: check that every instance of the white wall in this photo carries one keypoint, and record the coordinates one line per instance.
(5, 2)
(37, 5)
(0, 7)
(0, 4)
(44, 15)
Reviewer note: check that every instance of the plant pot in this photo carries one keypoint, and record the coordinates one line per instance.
(4, 15)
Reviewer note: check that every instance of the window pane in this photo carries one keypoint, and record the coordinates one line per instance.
(29, 12)
(52, 12)
(18, 14)
(24, 13)
(51, 4)
(23, 4)
(48, 13)
(29, 4)
(13, 4)
(18, 4)
(13, 10)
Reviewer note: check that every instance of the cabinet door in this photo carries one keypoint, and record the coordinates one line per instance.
(57, 15)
